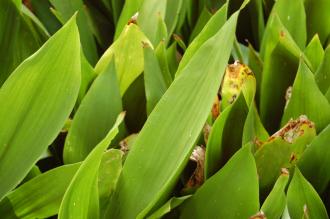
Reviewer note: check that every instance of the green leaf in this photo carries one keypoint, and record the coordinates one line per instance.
(253, 128)
(210, 29)
(35, 102)
(314, 52)
(303, 200)
(168, 206)
(41, 9)
(226, 136)
(164, 144)
(109, 171)
(203, 18)
(281, 59)
(227, 194)
(173, 8)
(282, 150)
(128, 56)
(150, 13)
(154, 82)
(95, 116)
(41, 196)
(322, 75)
(293, 18)
(318, 19)
(274, 204)
(128, 11)
(314, 163)
(76, 205)
(161, 54)
(314, 105)
(19, 38)
(65, 11)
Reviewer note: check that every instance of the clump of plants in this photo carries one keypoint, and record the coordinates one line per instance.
(164, 109)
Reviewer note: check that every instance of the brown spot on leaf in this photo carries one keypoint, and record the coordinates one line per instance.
(259, 215)
(285, 171)
(133, 19)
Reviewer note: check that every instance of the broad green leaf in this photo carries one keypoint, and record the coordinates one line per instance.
(293, 18)
(314, 104)
(226, 136)
(95, 116)
(318, 19)
(322, 75)
(150, 12)
(303, 201)
(282, 150)
(35, 102)
(154, 82)
(164, 144)
(128, 55)
(74, 204)
(168, 206)
(275, 202)
(281, 59)
(65, 11)
(257, 19)
(131, 7)
(231, 193)
(19, 38)
(210, 29)
(314, 52)
(314, 163)
(256, 65)
(41, 196)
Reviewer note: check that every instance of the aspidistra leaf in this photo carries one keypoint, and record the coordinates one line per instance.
(35, 102)
(161, 150)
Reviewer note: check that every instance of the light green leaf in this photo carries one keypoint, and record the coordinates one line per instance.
(231, 193)
(168, 206)
(274, 205)
(314, 105)
(150, 12)
(314, 52)
(128, 55)
(35, 102)
(165, 143)
(303, 200)
(154, 82)
(131, 7)
(74, 204)
(41, 196)
(203, 18)
(95, 116)
(210, 29)
(315, 161)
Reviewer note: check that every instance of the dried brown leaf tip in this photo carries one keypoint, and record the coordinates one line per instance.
(133, 19)
(288, 94)
(206, 132)
(197, 178)
(285, 172)
(235, 76)
(293, 129)
(259, 215)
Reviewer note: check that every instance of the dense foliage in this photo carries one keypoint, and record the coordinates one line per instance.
(164, 109)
